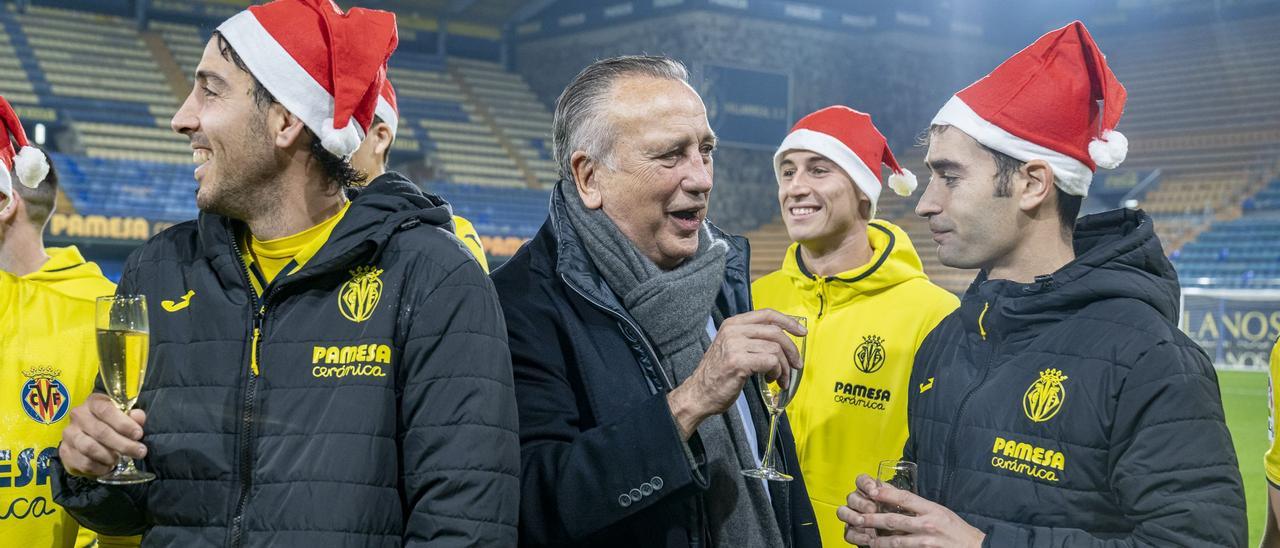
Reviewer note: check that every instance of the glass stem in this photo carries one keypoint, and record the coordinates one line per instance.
(124, 465)
(767, 462)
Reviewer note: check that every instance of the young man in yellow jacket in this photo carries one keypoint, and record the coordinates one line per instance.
(860, 285)
(48, 356)
(371, 159)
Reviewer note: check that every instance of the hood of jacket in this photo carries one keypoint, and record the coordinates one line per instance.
(67, 272)
(1118, 256)
(387, 205)
(893, 261)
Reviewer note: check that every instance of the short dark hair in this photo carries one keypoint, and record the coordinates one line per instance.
(42, 200)
(336, 169)
(1068, 205)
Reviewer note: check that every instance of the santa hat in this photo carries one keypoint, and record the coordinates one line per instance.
(848, 138)
(1042, 104)
(24, 160)
(325, 66)
(386, 109)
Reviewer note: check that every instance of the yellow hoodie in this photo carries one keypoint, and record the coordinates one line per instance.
(865, 325)
(466, 232)
(48, 364)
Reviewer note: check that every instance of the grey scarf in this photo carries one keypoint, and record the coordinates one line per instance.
(672, 308)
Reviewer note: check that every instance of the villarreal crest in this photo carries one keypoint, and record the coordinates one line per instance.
(44, 397)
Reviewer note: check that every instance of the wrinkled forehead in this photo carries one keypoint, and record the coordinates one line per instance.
(648, 106)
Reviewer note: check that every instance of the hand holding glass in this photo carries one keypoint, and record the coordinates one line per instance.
(123, 332)
(900, 474)
(776, 399)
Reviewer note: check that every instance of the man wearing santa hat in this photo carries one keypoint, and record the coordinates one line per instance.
(867, 303)
(47, 348)
(371, 160)
(323, 371)
(1059, 405)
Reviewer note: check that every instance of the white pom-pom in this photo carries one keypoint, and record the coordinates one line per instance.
(341, 142)
(30, 166)
(1109, 151)
(903, 184)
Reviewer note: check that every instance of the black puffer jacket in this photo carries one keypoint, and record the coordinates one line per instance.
(603, 463)
(383, 413)
(1071, 411)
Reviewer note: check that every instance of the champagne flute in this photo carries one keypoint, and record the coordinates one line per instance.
(776, 399)
(896, 473)
(123, 341)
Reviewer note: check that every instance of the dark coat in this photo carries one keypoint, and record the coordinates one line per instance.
(602, 459)
(1071, 411)
(382, 413)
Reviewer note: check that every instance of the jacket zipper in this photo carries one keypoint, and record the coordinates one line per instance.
(949, 459)
(669, 384)
(250, 397)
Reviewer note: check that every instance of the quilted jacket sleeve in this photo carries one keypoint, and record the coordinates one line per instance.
(460, 453)
(1174, 469)
(117, 510)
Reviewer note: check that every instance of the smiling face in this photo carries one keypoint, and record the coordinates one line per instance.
(657, 183)
(820, 203)
(229, 139)
(972, 225)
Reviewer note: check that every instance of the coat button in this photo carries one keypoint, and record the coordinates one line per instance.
(624, 500)
(636, 494)
(656, 482)
(646, 489)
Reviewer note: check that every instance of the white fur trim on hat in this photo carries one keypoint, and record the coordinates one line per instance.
(30, 166)
(1070, 174)
(291, 84)
(6, 182)
(903, 184)
(836, 151)
(341, 142)
(1110, 150)
(388, 115)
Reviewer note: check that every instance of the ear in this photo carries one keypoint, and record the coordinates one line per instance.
(1038, 176)
(286, 128)
(382, 142)
(9, 206)
(585, 177)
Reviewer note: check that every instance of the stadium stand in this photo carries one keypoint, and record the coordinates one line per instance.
(1238, 253)
(523, 123)
(104, 84)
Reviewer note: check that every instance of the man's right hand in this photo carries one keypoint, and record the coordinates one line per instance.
(747, 344)
(98, 434)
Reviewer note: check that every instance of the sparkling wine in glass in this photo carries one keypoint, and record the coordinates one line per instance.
(897, 473)
(776, 399)
(121, 323)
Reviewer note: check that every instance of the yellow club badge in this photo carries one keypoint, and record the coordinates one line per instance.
(1045, 396)
(359, 297)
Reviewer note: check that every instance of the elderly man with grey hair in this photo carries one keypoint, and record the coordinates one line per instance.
(637, 358)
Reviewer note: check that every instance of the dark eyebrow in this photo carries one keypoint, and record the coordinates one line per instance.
(944, 165)
(210, 78)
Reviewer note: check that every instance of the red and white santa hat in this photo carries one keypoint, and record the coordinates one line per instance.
(325, 66)
(848, 138)
(387, 109)
(1043, 104)
(25, 161)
